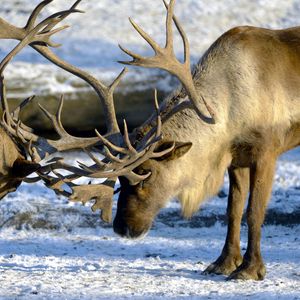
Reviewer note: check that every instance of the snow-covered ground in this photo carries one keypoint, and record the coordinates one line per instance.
(95, 264)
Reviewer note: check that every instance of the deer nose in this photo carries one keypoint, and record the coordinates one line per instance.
(120, 227)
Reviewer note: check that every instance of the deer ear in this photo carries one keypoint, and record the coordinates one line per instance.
(179, 150)
(22, 168)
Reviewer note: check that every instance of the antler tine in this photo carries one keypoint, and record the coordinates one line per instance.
(95, 159)
(66, 179)
(169, 27)
(145, 36)
(134, 178)
(187, 57)
(56, 183)
(73, 8)
(165, 59)
(147, 141)
(32, 179)
(66, 141)
(99, 165)
(16, 113)
(19, 135)
(110, 156)
(5, 106)
(159, 122)
(76, 4)
(85, 167)
(127, 139)
(48, 24)
(117, 81)
(48, 34)
(34, 15)
(9, 119)
(56, 119)
(59, 112)
(109, 144)
(136, 57)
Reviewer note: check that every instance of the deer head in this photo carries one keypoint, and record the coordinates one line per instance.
(138, 204)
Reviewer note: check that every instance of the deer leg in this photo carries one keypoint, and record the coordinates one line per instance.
(261, 178)
(231, 257)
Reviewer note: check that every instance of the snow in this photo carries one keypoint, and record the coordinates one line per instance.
(93, 264)
(52, 249)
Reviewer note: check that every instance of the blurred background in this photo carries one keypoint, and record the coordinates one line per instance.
(92, 44)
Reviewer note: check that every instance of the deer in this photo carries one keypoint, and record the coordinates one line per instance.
(236, 111)
(242, 113)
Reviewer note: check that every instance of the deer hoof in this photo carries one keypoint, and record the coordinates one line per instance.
(249, 272)
(224, 265)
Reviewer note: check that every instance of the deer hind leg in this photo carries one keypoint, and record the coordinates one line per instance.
(231, 257)
(261, 178)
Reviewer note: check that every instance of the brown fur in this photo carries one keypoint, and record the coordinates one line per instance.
(13, 166)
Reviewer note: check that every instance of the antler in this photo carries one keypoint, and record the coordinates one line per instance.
(131, 157)
(165, 59)
(36, 34)
(101, 193)
(104, 92)
(120, 156)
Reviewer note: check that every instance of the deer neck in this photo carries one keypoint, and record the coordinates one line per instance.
(201, 171)
(206, 180)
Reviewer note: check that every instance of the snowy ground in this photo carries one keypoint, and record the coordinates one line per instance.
(93, 264)
(50, 249)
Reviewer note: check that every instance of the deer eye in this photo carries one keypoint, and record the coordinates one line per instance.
(144, 172)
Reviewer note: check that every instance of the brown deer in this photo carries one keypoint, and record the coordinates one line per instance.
(250, 77)
(237, 111)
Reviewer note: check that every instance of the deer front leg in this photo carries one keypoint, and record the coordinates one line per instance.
(231, 257)
(261, 178)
